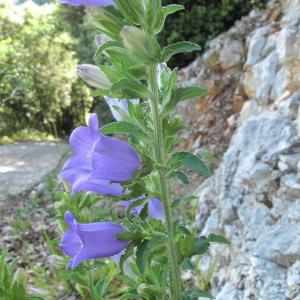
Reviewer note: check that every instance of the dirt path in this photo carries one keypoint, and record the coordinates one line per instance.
(24, 165)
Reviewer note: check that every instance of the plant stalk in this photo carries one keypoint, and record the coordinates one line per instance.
(159, 154)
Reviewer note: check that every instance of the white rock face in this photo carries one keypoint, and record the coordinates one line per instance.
(254, 196)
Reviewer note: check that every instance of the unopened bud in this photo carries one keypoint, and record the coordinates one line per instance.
(105, 21)
(20, 278)
(141, 44)
(133, 10)
(56, 262)
(101, 39)
(93, 76)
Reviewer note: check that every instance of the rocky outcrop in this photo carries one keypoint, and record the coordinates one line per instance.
(254, 196)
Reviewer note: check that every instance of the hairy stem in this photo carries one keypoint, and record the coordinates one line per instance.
(159, 154)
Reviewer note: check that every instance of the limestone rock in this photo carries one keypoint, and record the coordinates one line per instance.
(281, 245)
(253, 111)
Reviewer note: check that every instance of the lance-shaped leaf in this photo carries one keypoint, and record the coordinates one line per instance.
(133, 10)
(201, 246)
(131, 88)
(180, 47)
(166, 11)
(108, 20)
(192, 294)
(173, 8)
(142, 45)
(154, 15)
(144, 251)
(190, 161)
(213, 238)
(182, 94)
(123, 127)
(127, 253)
(105, 46)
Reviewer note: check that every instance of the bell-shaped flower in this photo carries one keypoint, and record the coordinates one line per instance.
(82, 242)
(94, 76)
(89, 3)
(101, 39)
(98, 162)
(155, 209)
(117, 107)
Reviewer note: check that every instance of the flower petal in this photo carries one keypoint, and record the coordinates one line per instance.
(70, 243)
(155, 209)
(93, 124)
(114, 160)
(103, 187)
(120, 103)
(89, 3)
(83, 139)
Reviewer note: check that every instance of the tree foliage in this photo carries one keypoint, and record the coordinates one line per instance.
(203, 20)
(39, 88)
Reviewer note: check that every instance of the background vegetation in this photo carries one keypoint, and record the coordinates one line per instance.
(41, 45)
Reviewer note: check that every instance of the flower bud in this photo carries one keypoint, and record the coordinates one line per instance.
(106, 21)
(20, 278)
(141, 44)
(56, 262)
(101, 39)
(133, 10)
(93, 76)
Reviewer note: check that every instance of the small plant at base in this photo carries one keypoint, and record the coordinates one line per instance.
(149, 242)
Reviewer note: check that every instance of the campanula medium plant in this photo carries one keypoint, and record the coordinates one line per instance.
(150, 239)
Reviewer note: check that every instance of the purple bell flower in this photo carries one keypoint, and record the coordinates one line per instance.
(82, 242)
(120, 103)
(98, 162)
(89, 3)
(155, 209)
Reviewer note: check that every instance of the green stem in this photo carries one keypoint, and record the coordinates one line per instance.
(159, 154)
(91, 286)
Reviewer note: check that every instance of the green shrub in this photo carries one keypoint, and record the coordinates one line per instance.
(203, 20)
(39, 88)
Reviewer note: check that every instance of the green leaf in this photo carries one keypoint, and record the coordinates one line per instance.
(201, 246)
(187, 265)
(182, 94)
(154, 15)
(133, 11)
(144, 212)
(144, 250)
(182, 177)
(133, 89)
(129, 236)
(100, 93)
(183, 230)
(136, 114)
(213, 238)
(173, 8)
(105, 46)
(123, 127)
(190, 161)
(135, 204)
(142, 255)
(131, 294)
(128, 252)
(170, 85)
(192, 294)
(180, 47)
(186, 246)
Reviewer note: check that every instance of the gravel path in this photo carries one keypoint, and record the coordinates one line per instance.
(24, 165)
